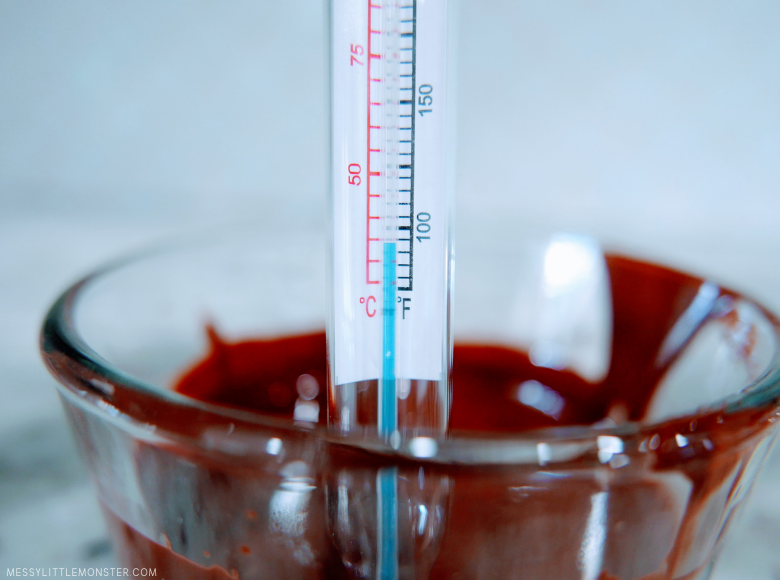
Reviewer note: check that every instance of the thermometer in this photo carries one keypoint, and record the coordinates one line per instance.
(389, 340)
(389, 336)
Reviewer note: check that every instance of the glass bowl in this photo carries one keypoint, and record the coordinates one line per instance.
(680, 376)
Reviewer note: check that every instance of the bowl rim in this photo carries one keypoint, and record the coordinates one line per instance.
(89, 381)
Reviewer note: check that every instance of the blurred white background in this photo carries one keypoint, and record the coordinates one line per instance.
(654, 125)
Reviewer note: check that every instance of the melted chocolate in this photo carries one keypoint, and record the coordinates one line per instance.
(261, 375)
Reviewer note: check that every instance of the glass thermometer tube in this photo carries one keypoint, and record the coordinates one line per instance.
(389, 329)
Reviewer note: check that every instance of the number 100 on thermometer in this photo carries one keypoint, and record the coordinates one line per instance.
(389, 335)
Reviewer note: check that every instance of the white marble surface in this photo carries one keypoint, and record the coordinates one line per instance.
(653, 126)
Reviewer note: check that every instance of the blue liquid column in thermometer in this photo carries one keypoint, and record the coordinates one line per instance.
(389, 334)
